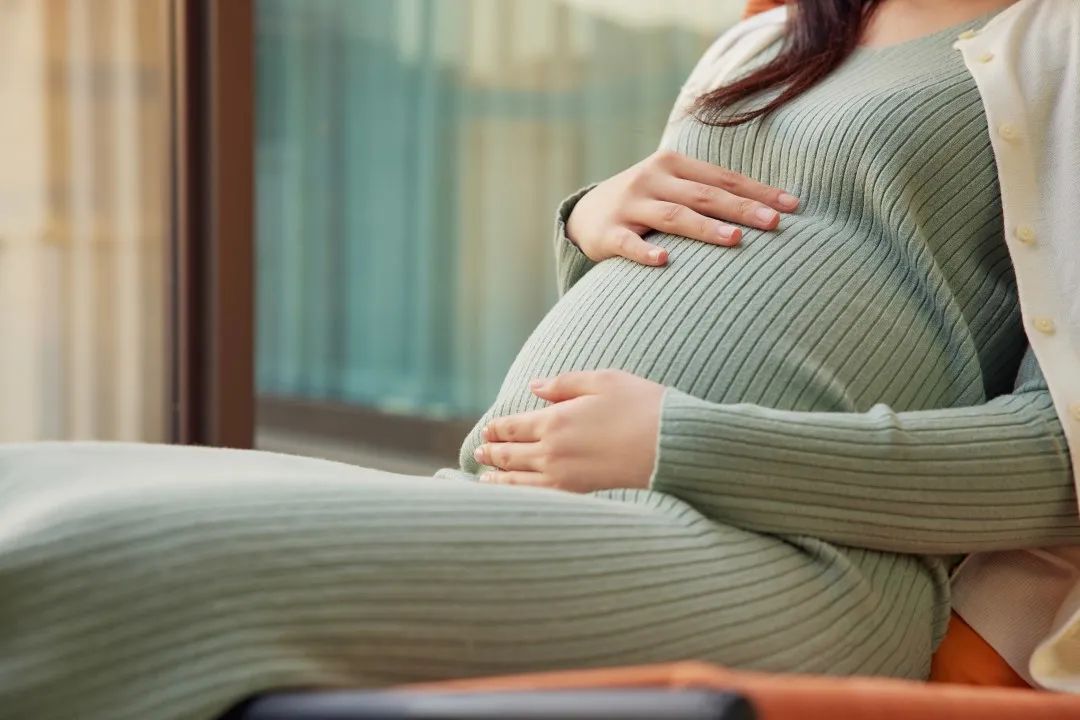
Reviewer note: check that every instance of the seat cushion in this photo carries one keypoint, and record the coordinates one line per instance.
(965, 658)
(805, 697)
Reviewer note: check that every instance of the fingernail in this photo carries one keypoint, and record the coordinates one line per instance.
(478, 453)
(655, 255)
(486, 432)
(727, 232)
(537, 384)
(487, 477)
(789, 201)
(766, 215)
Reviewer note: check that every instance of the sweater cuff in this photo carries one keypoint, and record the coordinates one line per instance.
(695, 463)
(570, 262)
(679, 414)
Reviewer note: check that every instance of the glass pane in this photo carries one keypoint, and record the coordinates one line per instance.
(83, 212)
(410, 157)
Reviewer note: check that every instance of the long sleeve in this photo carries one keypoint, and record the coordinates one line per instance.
(959, 480)
(570, 262)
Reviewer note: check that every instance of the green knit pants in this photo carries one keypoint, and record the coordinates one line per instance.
(157, 582)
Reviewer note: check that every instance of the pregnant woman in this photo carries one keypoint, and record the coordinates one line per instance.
(786, 388)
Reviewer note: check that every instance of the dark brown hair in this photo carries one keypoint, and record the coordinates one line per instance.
(820, 35)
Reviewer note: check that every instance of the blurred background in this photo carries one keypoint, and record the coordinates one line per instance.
(379, 176)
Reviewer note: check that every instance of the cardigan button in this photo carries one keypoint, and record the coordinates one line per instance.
(1045, 325)
(967, 35)
(1026, 233)
(986, 57)
(1009, 131)
(1075, 410)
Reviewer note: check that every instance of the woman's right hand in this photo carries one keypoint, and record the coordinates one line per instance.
(673, 194)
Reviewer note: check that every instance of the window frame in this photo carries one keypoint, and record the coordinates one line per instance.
(213, 388)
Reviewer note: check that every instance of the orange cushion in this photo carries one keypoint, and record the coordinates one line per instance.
(805, 697)
(965, 658)
(753, 7)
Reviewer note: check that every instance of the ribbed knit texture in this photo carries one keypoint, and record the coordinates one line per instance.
(169, 583)
(856, 376)
(853, 376)
(829, 384)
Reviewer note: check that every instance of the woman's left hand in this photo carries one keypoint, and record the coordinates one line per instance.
(599, 433)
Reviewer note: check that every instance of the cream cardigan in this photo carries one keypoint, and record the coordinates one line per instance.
(1026, 63)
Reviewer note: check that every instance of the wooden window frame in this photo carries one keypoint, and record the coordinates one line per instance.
(213, 133)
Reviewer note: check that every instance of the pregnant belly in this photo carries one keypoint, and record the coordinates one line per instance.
(783, 325)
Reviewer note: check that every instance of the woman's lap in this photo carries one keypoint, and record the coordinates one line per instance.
(167, 582)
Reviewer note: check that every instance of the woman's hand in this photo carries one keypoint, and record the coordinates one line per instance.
(599, 434)
(674, 194)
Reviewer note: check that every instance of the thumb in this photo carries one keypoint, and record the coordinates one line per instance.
(566, 386)
(624, 242)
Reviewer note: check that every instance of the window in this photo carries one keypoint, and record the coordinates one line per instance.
(410, 155)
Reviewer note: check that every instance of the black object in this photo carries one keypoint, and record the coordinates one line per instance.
(630, 704)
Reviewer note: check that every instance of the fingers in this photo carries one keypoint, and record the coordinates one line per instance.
(628, 244)
(677, 195)
(510, 456)
(706, 173)
(677, 219)
(524, 427)
(569, 385)
(721, 204)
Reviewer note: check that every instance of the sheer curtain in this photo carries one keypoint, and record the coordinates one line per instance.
(83, 213)
(410, 156)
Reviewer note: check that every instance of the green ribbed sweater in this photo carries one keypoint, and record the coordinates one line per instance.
(855, 376)
(851, 380)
